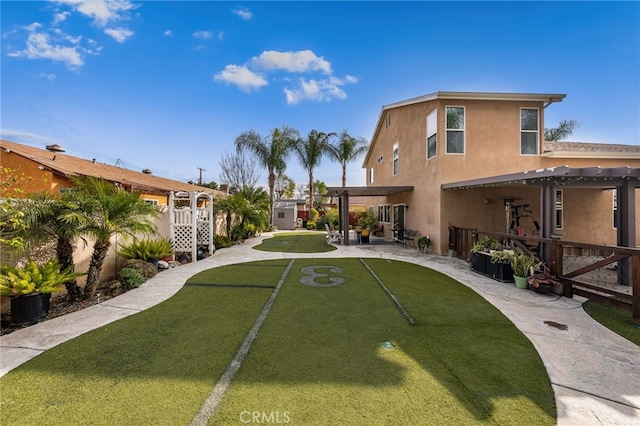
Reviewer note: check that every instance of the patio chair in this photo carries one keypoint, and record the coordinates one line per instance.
(332, 236)
(365, 236)
(410, 237)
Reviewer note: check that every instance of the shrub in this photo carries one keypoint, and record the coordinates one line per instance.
(222, 241)
(130, 278)
(146, 269)
(311, 225)
(147, 249)
(34, 278)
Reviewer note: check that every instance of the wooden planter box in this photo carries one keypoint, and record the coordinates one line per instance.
(481, 263)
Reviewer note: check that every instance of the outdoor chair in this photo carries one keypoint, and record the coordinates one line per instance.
(410, 237)
(365, 236)
(332, 236)
(378, 230)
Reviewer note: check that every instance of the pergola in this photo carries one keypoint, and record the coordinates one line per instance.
(344, 192)
(624, 179)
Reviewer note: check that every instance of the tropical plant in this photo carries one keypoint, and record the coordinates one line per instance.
(368, 220)
(309, 152)
(565, 128)
(501, 256)
(149, 250)
(522, 263)
(346, 150)
(543, 277)
(106, 210)
(270, 152)
(43, 213)
(34, 278)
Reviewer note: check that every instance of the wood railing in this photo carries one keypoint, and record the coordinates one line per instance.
(555, 253)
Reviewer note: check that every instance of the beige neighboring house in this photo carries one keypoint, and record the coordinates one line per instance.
(49, 170)
(455, 158)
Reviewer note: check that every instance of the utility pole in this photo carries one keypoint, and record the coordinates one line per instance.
(200, 180)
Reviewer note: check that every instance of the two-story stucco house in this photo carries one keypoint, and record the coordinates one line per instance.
(460, 159)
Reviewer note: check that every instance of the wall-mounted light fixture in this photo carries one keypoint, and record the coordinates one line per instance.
(7, 150)
(406, 206)
(40, 167)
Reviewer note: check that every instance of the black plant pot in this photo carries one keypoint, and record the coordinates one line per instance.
(29, 308)
(543, 288)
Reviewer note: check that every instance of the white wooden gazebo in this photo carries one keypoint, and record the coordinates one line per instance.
(191, 223)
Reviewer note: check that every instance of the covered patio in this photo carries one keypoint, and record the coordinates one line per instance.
(344, 192)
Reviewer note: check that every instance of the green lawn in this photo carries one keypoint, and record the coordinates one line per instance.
(617, 320)
(297, 242)
(317, 358)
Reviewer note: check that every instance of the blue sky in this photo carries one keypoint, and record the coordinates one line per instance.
(169, 85)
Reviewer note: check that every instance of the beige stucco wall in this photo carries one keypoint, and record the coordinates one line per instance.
(492, 147)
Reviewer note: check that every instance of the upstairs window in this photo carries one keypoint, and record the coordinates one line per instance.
(371, 175)
(380, 159)
(432, 134)
(395, 158)
(529, 131)
(387, 121)
(455, 130)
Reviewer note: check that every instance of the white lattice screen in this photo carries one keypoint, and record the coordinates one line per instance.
(191, 225)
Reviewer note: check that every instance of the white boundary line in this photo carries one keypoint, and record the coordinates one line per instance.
(210, 404)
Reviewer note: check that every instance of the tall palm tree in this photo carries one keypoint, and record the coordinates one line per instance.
(310, 152)
(346, 150)
(43, 215)
(271, 152)
(105, 210)
(565, 129)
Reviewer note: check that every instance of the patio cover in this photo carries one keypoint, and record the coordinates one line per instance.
(344, 192)
(625, 179)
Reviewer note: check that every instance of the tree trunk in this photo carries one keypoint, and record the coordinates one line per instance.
(100, 250)
(64, 250)
(344, 176)
(310, 191)
(272, 184)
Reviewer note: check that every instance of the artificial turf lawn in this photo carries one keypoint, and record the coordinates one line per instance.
(297, 242)
(615, 319)
(317, 358)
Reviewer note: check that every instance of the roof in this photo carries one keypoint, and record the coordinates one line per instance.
(559, 176)
(554, 149)
(67, 165)
(548, 98)
(358, 191)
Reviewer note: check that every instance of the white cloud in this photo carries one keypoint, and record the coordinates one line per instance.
(300, 61)
(319, 90)
(101, 11)
(26, 137)
(39, 47)
(244, 13)
(59, 17)
(203, 35)
(119, 34)
(245, 79)
(221, 35)
(168, 33)
(47, 76)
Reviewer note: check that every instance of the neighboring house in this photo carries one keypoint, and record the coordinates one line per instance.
(455, 158)
(50, 170)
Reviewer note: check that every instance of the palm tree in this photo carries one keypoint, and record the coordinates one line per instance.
(310, 152)
(564, 129)
(105, 210)
(271, 152)
(346, 150)
(43, 215)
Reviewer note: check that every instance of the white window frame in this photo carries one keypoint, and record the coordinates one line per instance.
(463, 130)
(383, 213)
(432, 130)
(559, 208)
(150, 201)
(371, 175)
(396, 159)
(536, 131)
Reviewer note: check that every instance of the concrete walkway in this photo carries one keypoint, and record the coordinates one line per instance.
(595, 373)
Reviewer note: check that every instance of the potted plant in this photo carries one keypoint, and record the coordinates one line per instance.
(424, 243)
(368, 220)
(147, 249)
(30, 288)
(542, 281)
(522, 264)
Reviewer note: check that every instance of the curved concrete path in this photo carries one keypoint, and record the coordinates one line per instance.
(595, 373)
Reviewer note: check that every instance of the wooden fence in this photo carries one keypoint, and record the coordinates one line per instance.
(624, 261)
